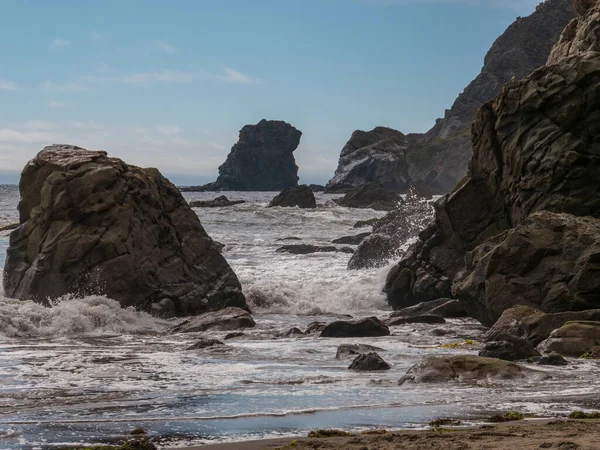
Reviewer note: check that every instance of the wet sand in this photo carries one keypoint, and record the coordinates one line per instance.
(525, 435)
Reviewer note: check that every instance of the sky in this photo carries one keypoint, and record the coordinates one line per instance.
(169, 84)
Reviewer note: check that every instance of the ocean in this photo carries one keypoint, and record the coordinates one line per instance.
(85, 370)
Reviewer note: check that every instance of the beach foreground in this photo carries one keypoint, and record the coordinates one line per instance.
(523, 435)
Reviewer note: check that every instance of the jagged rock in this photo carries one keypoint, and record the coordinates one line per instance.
(346, 350)
(305, 249)
(572, 339)
(317, 187)
(351, 240)
(523, 161)
(290, 238)
(368, 327)
(425, 318)
(508, 348)
(439, 159)
(533, 325)
(261, 160)
(204, 343)
(553, 359)
(390, 233)
(549, 261)
(365, 223)
(294, 332)
(315, 327)
(376, 156)
(227, 319)
(441, 369)
(91, 224)
(218, 202)
(300, 196)
(371, 196)
(369, 361)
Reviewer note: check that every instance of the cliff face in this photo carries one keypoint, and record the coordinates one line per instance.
(261, 160)
(440, 157)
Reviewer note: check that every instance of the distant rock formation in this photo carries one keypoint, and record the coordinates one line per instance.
(261, 160)
(90, 224)
(300, 196)
(376, 156)
(371, 196)
(219, 202)
(535, 148)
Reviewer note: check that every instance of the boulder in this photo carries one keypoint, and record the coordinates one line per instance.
(391, 233)
(261, 160)
(371, 196)
(549, 261)
(351, 240)
(425, 318)
(294, 332)
(369, 361)
(218, 202)
(204, 343)
(300, 196)
(552, 359)
(572, 339)
(534, 149)
(305, 249)
(91, 224)
(227, 319)
(346, 350)
(442, 369)
(315, 327)
(509, 348)
(376, 156)
(368, 327)
(533, 325)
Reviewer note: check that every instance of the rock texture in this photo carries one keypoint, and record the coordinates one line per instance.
(218, 202)
(91, 224)
(376, 156)
(509, 348)
(300, 196)
(261, 160)
(444, 307)
(305, 249)
(370, 326)
(227, 319)
(573, 339)
(371, 196)
(535, 149)
(351, 350)
(369, 362)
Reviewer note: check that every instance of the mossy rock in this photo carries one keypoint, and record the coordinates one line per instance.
(510, 416)
(584, 415)
(328, 433)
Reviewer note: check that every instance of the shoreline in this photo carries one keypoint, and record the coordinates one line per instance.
(565, 434)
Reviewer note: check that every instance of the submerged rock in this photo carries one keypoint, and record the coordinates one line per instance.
(305, 249)
(368, 327)
(91, 224)
(428, 307)
(261, 160)
(441, 369)
(509, 348)
(227, 319)
(351, 240)
(204, 343)
(218, 202)
(572, 339)
(300, 196)
(369, 361)
(376, 156)
(425, 318)
(552, 359)
(346, 350)
(371, 196)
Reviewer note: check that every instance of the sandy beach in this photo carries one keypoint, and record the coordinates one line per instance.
(523, 435)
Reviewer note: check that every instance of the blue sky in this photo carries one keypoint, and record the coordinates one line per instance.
(169, 84)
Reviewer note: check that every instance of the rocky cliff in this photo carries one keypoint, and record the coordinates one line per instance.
(90, 224)
(535, 148)
(261, 160)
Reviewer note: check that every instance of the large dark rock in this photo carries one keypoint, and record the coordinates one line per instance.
(351, 240)
(305, 249)
(370, 326)
(218, 202)
(534, 148)
(91, 224)
(369, 362)
(351, 350)
(371, 196)
(376, 156)
(300, 196)
(509, 348)
(227, 319)
(442, 369)
(261, 160)
(391, 233)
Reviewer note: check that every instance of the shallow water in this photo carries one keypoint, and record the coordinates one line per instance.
(86, 370)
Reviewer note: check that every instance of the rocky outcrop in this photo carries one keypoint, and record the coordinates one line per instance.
(261, 160)
(90, 224)
(371, 326)
(534, 149)
(227, 319)
(391, 233)
(509, 348)
(371, 196)
(300, 196)
(305, 249)
(369, 362)
(218, 202)
(573, 339)
(376, 156)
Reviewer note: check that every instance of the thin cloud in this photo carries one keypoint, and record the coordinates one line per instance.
(235, 77)
(168, 129)
(58, 43)
(54, 104)
(161, 76)
(164, 47)
(8, 85)
(69, 86)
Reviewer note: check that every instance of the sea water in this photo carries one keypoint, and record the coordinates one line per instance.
(86, 370)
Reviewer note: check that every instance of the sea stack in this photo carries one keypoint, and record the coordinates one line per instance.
(90, 224)
(261, 160)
